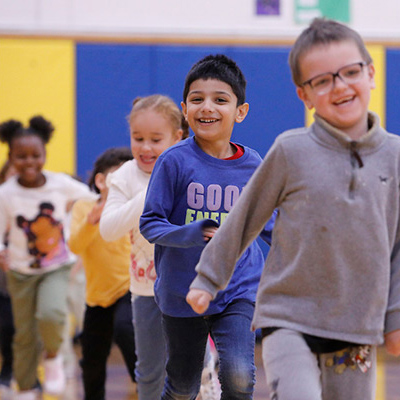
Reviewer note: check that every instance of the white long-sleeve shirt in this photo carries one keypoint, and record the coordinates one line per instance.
(36, 218)
(121, 214)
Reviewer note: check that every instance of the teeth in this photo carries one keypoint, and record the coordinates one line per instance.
(207, 120)
(344, 100)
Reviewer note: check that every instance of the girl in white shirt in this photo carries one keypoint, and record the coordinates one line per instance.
(155, 124)
(33, 206)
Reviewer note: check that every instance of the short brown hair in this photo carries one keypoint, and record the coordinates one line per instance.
(323, 32)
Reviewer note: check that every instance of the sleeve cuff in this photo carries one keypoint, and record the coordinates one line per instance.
(392, 321)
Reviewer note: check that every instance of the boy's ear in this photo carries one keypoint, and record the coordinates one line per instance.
(241, 112)
(301, 93)
(100, 181)
(179, 134)
(371, 75)
(184, 109)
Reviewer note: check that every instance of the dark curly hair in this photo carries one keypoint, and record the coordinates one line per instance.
(38, 126)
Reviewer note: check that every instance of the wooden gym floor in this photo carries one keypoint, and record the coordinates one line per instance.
(119, 386)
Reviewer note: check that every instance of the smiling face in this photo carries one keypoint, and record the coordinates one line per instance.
(151, 134)
(28, 155)
(211, 110)
(346, 105)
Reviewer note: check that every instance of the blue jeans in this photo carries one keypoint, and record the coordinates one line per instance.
(150, 348)
(186, 344)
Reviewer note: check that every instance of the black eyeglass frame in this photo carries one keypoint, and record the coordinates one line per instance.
(334, 74)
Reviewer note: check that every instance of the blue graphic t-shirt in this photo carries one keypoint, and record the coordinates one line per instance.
(187, 189)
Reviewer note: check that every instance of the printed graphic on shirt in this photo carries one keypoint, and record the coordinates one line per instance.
(145, 272)
(212, 198)
(45, 237)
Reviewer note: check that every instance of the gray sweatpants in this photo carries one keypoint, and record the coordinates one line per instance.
(294, 372)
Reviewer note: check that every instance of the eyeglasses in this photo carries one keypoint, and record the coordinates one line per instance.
(324, 83)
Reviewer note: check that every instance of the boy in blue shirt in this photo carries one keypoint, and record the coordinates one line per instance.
(330, 290)
(193, 186)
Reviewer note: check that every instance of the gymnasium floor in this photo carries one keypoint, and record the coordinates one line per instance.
(120, 388)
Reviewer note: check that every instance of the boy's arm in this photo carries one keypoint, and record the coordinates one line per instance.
(392, 323)
(160, 201)
(199, 300)
(82, 233)
(392, 342)
(266, 233)
(244, 223)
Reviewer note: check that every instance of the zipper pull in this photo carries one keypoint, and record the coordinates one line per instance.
(355, 156)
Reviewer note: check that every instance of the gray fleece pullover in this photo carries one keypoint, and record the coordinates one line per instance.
(333, 269)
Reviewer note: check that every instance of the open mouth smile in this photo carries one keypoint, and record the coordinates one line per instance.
(344, 100)
(207, 120)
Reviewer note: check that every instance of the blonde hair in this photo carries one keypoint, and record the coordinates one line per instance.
(163, 105)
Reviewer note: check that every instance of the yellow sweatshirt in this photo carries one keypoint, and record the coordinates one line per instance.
(106, 263)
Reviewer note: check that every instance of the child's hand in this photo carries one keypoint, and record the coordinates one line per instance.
(199, 300)
(209, 232)
(4, 260)
(93, 217)
(392, 342)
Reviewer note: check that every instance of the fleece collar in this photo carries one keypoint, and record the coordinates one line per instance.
(336, 139)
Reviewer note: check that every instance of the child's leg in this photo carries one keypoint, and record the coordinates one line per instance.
(150, 348)
(210, 387)
(26, 346)
(291, 369)
(52, 309)
(6, 337)
(235, 342)
(343, 380)
(96, 342)
(186, 344)
(124, 335)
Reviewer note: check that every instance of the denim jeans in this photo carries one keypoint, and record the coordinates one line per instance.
(150, 347)
(101, 327)
(186, 344)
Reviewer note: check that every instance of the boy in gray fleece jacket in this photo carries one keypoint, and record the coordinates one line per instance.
(330, 289)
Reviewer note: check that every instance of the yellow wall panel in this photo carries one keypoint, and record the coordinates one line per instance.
(38, 77)
(378, 95)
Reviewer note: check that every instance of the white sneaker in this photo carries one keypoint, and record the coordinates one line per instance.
(210, 388)
(26, 395)
(54, 376)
